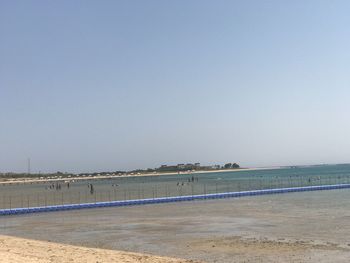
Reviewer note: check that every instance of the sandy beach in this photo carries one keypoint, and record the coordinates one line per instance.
(19, 250)
(297, 227)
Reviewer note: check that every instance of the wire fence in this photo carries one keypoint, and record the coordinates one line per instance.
(192, 186)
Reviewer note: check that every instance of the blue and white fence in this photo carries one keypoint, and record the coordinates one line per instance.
(17, 211)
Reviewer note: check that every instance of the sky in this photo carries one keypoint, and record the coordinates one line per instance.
(118, 85)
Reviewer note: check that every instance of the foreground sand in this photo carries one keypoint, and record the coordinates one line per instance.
(18, 250)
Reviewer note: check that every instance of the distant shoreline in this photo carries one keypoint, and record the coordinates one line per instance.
(106, 177)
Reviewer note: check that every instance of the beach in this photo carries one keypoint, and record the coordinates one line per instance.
(174, 131)
(19, 250)
(296, 227)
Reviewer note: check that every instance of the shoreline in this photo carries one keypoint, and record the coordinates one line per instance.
(30, 181)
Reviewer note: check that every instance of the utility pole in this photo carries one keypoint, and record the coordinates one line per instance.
(28, 166)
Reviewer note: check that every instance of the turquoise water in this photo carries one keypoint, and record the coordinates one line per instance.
(39, 194)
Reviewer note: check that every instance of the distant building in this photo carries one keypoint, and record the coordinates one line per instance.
(181, 166)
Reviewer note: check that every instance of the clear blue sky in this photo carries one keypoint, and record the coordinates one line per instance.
(108, 85)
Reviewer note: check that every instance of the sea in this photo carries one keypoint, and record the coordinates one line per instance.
(140, 187)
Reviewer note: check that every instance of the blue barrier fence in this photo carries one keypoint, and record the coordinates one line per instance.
(17, 211)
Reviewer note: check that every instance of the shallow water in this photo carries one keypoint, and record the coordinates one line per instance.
(39, 194)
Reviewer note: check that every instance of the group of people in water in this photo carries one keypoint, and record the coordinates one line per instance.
(190, 180)
(58, 186)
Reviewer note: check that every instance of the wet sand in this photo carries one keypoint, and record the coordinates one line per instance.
(296, 227)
